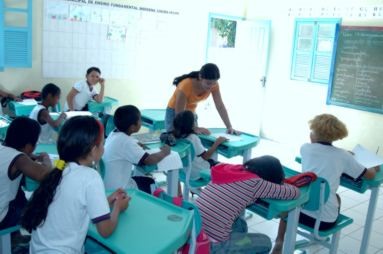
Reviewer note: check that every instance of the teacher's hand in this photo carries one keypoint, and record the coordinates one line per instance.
(232, 131)
(201, 130)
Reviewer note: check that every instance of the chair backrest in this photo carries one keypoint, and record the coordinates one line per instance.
(108, 123)
(319, 194)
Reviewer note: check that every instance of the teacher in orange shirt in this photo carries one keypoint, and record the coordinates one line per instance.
(193, 88)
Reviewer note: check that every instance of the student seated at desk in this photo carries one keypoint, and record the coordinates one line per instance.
(83, 91)
(122, 151)
(50, 98)
(328, 162)
(59, 211)
(16, 160)
(232, 189)
(184, 125)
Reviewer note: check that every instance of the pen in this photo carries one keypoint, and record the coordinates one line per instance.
(377, 150)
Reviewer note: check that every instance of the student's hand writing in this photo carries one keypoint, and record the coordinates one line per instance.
(232, 131)
(101, 81)
(62, 116)
(201, 130)
(165, 149)
(220, 140)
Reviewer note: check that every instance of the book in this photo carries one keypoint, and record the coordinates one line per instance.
(365, 157)
(229, 137)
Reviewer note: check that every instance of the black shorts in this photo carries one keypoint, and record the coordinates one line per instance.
(310, 222)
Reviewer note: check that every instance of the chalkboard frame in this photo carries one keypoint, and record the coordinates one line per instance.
(329, 100)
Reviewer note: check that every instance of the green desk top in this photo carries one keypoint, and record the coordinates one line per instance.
(230, 148)
(149, 225)
(153, 119)
(272, 208)
(47, 148)
(361, 185)
(20, 109)
(99, 107)
(4, 124)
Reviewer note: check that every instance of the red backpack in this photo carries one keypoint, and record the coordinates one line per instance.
(31, 95)
(202, 243)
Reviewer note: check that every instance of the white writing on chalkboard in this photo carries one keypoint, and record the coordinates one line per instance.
(358, 69)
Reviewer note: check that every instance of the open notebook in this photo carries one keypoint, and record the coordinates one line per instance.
(365, 157)
(147, 138)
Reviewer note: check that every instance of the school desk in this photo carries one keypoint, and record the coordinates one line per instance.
(4, 124)
(229, 149)
(20, 108)
(153, 119)
(105, 106)
(362, 186)
(272, 208)
(183, 149)
(149, 225)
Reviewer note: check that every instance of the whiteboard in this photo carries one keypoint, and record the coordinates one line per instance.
(122, 40)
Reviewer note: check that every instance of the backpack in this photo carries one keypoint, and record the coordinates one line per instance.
(301, 179)
(202, 245)
(31, 95)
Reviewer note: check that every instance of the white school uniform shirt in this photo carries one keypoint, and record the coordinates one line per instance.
(80, 197)
(8, 189)
(47, 132)
(83, 97)
(330, 163)
(121, 153)
(198, 162)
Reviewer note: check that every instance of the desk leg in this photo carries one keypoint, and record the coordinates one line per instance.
(172, 179)
(291, 231)
(246, 155)
(369, 218)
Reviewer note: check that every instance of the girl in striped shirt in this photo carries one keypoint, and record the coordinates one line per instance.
(232, 189)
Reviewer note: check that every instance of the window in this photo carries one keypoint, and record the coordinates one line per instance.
(15, 33)
(313, 47)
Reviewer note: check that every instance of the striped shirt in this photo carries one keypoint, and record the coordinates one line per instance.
(221, 204)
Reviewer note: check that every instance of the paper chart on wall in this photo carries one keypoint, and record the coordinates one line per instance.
(118, 40)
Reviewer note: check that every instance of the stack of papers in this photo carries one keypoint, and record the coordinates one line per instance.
(229, 137)
(147, 138)
(365, 157)
(170, 162)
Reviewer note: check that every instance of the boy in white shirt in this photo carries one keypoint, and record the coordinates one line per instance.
(328, 162)
(50, 98)
(83, 91)
(122, 152)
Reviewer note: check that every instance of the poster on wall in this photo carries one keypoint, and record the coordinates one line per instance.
(117, 38)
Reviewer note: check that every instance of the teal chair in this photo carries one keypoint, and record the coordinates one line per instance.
(108, 122)
(5, 238)
(318, 197)
(202, 181)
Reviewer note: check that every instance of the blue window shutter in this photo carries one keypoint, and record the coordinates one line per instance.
(18, 40)
(1, 35)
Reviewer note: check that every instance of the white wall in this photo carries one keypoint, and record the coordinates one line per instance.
(289, 103)
(148, 91)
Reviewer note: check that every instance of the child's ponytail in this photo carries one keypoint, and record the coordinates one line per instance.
(76, 140)
(37, 208)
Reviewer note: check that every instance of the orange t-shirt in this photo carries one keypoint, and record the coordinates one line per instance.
(192, 99)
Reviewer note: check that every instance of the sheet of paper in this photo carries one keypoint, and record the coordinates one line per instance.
(28, 102)
(170, 162)
(366, 157)
(228, 136)
(70, 114)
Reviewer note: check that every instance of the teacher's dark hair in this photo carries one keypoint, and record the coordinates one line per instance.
(208, 71)
(76, 140)
(96, 69)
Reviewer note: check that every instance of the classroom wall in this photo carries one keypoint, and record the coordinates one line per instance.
(147, 91)
(289, 104)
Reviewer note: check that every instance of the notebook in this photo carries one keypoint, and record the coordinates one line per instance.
(147, 138)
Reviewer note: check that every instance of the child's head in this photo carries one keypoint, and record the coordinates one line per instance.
(22, 134)
(81, 138)
(51, 94)
(183, 124)
(127, 119)
(267, 167)
(327, 128)
(93, 75)
(209, 74)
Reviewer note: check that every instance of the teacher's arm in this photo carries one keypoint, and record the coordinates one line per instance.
(181, 101)
(220, 106)
(70, 98)
(100, 96)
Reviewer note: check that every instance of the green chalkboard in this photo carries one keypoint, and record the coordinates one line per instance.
(357, 77)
